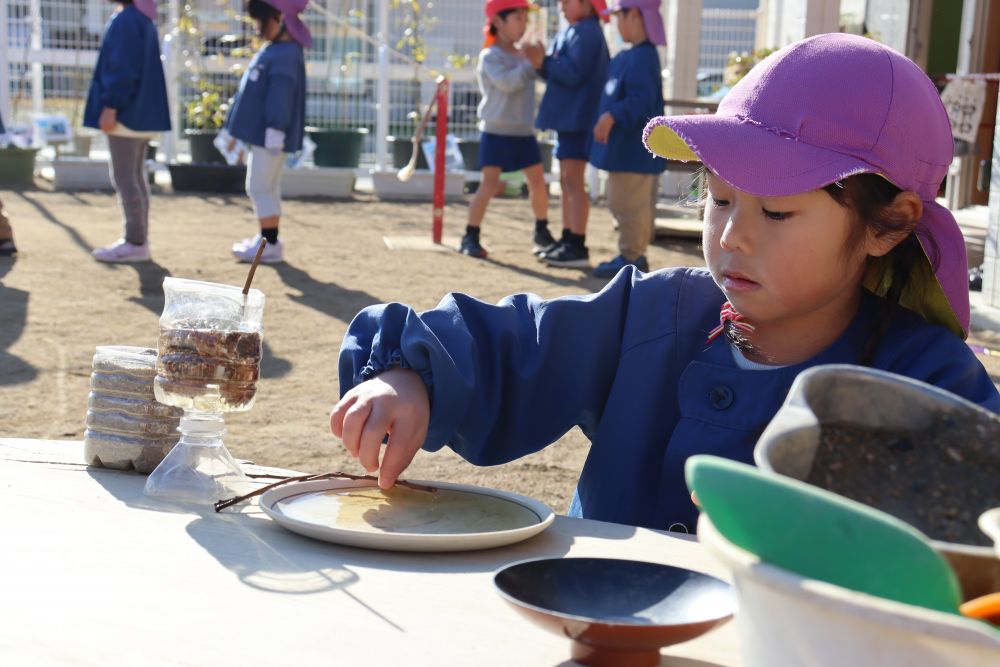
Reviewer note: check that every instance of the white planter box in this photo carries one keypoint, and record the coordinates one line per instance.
(317, 182)
(420, 187)
(80, 173)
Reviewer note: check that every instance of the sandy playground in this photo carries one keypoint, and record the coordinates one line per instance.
(57, 304)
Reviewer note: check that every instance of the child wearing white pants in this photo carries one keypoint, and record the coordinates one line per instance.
(268, 114)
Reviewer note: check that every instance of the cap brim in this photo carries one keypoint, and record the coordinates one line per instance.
(298, 30)
(784, 166)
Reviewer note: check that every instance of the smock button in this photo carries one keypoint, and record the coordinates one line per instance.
(721, 397)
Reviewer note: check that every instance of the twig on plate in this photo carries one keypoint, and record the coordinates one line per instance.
(229, 502)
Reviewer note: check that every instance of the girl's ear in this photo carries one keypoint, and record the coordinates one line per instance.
(906, 209)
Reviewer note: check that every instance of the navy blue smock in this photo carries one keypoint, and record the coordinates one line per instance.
(272, 94)
(574, 73)
(128, 76)
(630, 367)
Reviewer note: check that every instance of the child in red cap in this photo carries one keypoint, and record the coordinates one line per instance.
(506, 111)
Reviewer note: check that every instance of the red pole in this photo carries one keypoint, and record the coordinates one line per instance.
(439, 148)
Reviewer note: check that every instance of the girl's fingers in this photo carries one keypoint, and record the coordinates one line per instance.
(370, 444)
(404, 443)
(354, 423)
(338, 413)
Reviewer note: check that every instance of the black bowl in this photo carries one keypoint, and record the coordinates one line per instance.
(616, 612)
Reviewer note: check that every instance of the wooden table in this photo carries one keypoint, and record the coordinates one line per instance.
(94, 573)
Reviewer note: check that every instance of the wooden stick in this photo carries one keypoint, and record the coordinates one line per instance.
(253, 265)
(229, 502)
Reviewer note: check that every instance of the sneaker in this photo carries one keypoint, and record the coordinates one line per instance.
(7, 248)
(543, 241)
(471, 247)
(568, 255)
(273, 252)
(248, 242)
(121, 251)
(611, 268)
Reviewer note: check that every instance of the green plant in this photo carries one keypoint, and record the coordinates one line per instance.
(740, 63)
(208, 110)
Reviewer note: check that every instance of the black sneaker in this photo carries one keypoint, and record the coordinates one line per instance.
(543, 241)
(7, 248)
(471, 247)
(568, 255)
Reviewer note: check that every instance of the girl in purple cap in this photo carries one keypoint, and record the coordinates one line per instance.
(128, 102)
(824, 244)
(268, 114)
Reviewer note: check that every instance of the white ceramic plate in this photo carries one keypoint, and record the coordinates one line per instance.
(456, 517)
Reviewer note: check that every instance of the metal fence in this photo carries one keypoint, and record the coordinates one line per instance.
(51, 48)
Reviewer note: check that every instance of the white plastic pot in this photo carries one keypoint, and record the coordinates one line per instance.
(786, 620)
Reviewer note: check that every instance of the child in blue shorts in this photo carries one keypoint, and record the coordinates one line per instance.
(574, 71)
(268, 114)
(823, 242)
(632, 97)
(507, 141)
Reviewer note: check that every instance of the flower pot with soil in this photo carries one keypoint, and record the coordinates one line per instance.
(905, 447)
(337, 146)
(402, 149)
(17, 166)
(208, 178)
(203, 150)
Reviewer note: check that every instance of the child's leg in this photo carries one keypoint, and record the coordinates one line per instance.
(537, 191)
(6, 234)
(263, 185)
(143, 184)
(488, 187)
(130, 185)
(576, 206)
(631, 201)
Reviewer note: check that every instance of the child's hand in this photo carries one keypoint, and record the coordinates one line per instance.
(603, 128)
(395, 402)
(108, 119)
(535, 53)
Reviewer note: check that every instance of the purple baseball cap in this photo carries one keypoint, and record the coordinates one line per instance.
(825, 108)
(290, 10)
(651, 18)
(147, 7)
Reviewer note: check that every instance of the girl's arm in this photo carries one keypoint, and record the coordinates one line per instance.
(502, 380)
(122, 69)
(574, 64)
(503, 77)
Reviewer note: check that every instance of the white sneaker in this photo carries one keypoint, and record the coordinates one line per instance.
(249, 242)
(122, 251)
(273, 253)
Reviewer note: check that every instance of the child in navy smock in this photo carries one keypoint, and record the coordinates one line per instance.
(632, 97)
(506, 111)
(268, 114)
(574, 71)
(820, 226)
(128, 102)
(7, 247)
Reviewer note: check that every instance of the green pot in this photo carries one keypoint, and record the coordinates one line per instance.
(203, 150)
(17, 167)
(208, 178)
(402, 149)
(337, 147)
(470, 153)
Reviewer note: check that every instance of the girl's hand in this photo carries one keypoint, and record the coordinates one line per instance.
(603, 128)
(108, 119)
(395, 402)
(535, 53)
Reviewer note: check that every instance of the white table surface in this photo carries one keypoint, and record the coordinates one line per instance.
(94, 573)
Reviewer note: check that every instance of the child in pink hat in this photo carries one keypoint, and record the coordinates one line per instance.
(268, 114)
(824, 245)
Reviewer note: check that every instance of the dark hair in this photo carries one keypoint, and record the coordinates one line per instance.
(869, 198)
(261, 11)
(121, 2)
(503, 14)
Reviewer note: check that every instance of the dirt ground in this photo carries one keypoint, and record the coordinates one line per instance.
(56, 305)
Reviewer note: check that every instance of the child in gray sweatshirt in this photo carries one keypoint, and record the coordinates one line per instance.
(506, 112)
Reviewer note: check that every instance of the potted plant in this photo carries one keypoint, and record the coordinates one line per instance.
(205, 112)
(17, 164)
